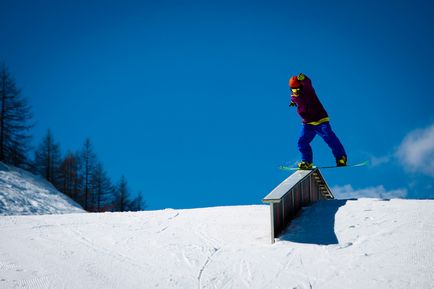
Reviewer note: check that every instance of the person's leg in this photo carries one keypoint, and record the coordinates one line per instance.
(326, 132)
(306, 136)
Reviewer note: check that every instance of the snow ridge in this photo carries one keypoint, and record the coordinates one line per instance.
(22, 193)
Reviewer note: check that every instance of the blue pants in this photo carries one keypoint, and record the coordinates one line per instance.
(325, 131)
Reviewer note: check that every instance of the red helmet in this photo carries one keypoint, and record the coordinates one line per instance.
(295, 81)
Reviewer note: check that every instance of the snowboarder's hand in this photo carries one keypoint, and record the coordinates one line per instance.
(292, 104)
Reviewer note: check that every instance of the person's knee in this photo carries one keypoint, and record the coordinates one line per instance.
(302, 142)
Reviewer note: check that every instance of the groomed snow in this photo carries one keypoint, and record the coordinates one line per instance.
(22, 193)
(365, 243)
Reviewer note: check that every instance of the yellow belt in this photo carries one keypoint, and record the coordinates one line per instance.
(319, 122)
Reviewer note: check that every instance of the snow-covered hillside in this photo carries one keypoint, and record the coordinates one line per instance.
(365, 243)
(22, 193)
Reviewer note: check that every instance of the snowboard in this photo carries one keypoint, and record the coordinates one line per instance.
(288, 168)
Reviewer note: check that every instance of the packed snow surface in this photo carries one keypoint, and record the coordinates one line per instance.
(365, 243)
(22, 193)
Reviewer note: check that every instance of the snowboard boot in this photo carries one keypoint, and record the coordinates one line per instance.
(305, 165)
(341, 162)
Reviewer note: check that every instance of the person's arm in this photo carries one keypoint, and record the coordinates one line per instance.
(292, 103)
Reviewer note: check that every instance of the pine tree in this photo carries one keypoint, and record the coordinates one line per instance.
(138, 203)
(14, 122)
(70, 181)
(102, 190)
(88, 161)
(47, 159)
(121, 203)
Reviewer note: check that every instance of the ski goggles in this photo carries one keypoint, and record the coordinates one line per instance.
(294, 90)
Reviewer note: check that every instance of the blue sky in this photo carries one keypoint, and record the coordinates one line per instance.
(189, 100)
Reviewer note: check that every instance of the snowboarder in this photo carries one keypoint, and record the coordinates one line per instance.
(315, 121)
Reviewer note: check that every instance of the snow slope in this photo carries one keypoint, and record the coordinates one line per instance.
(22, 193)
(365, 243)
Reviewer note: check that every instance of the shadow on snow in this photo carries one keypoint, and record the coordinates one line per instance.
(315, 224)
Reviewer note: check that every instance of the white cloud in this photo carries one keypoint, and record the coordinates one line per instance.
(348, 192)
(378, 161)
(416, 152)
